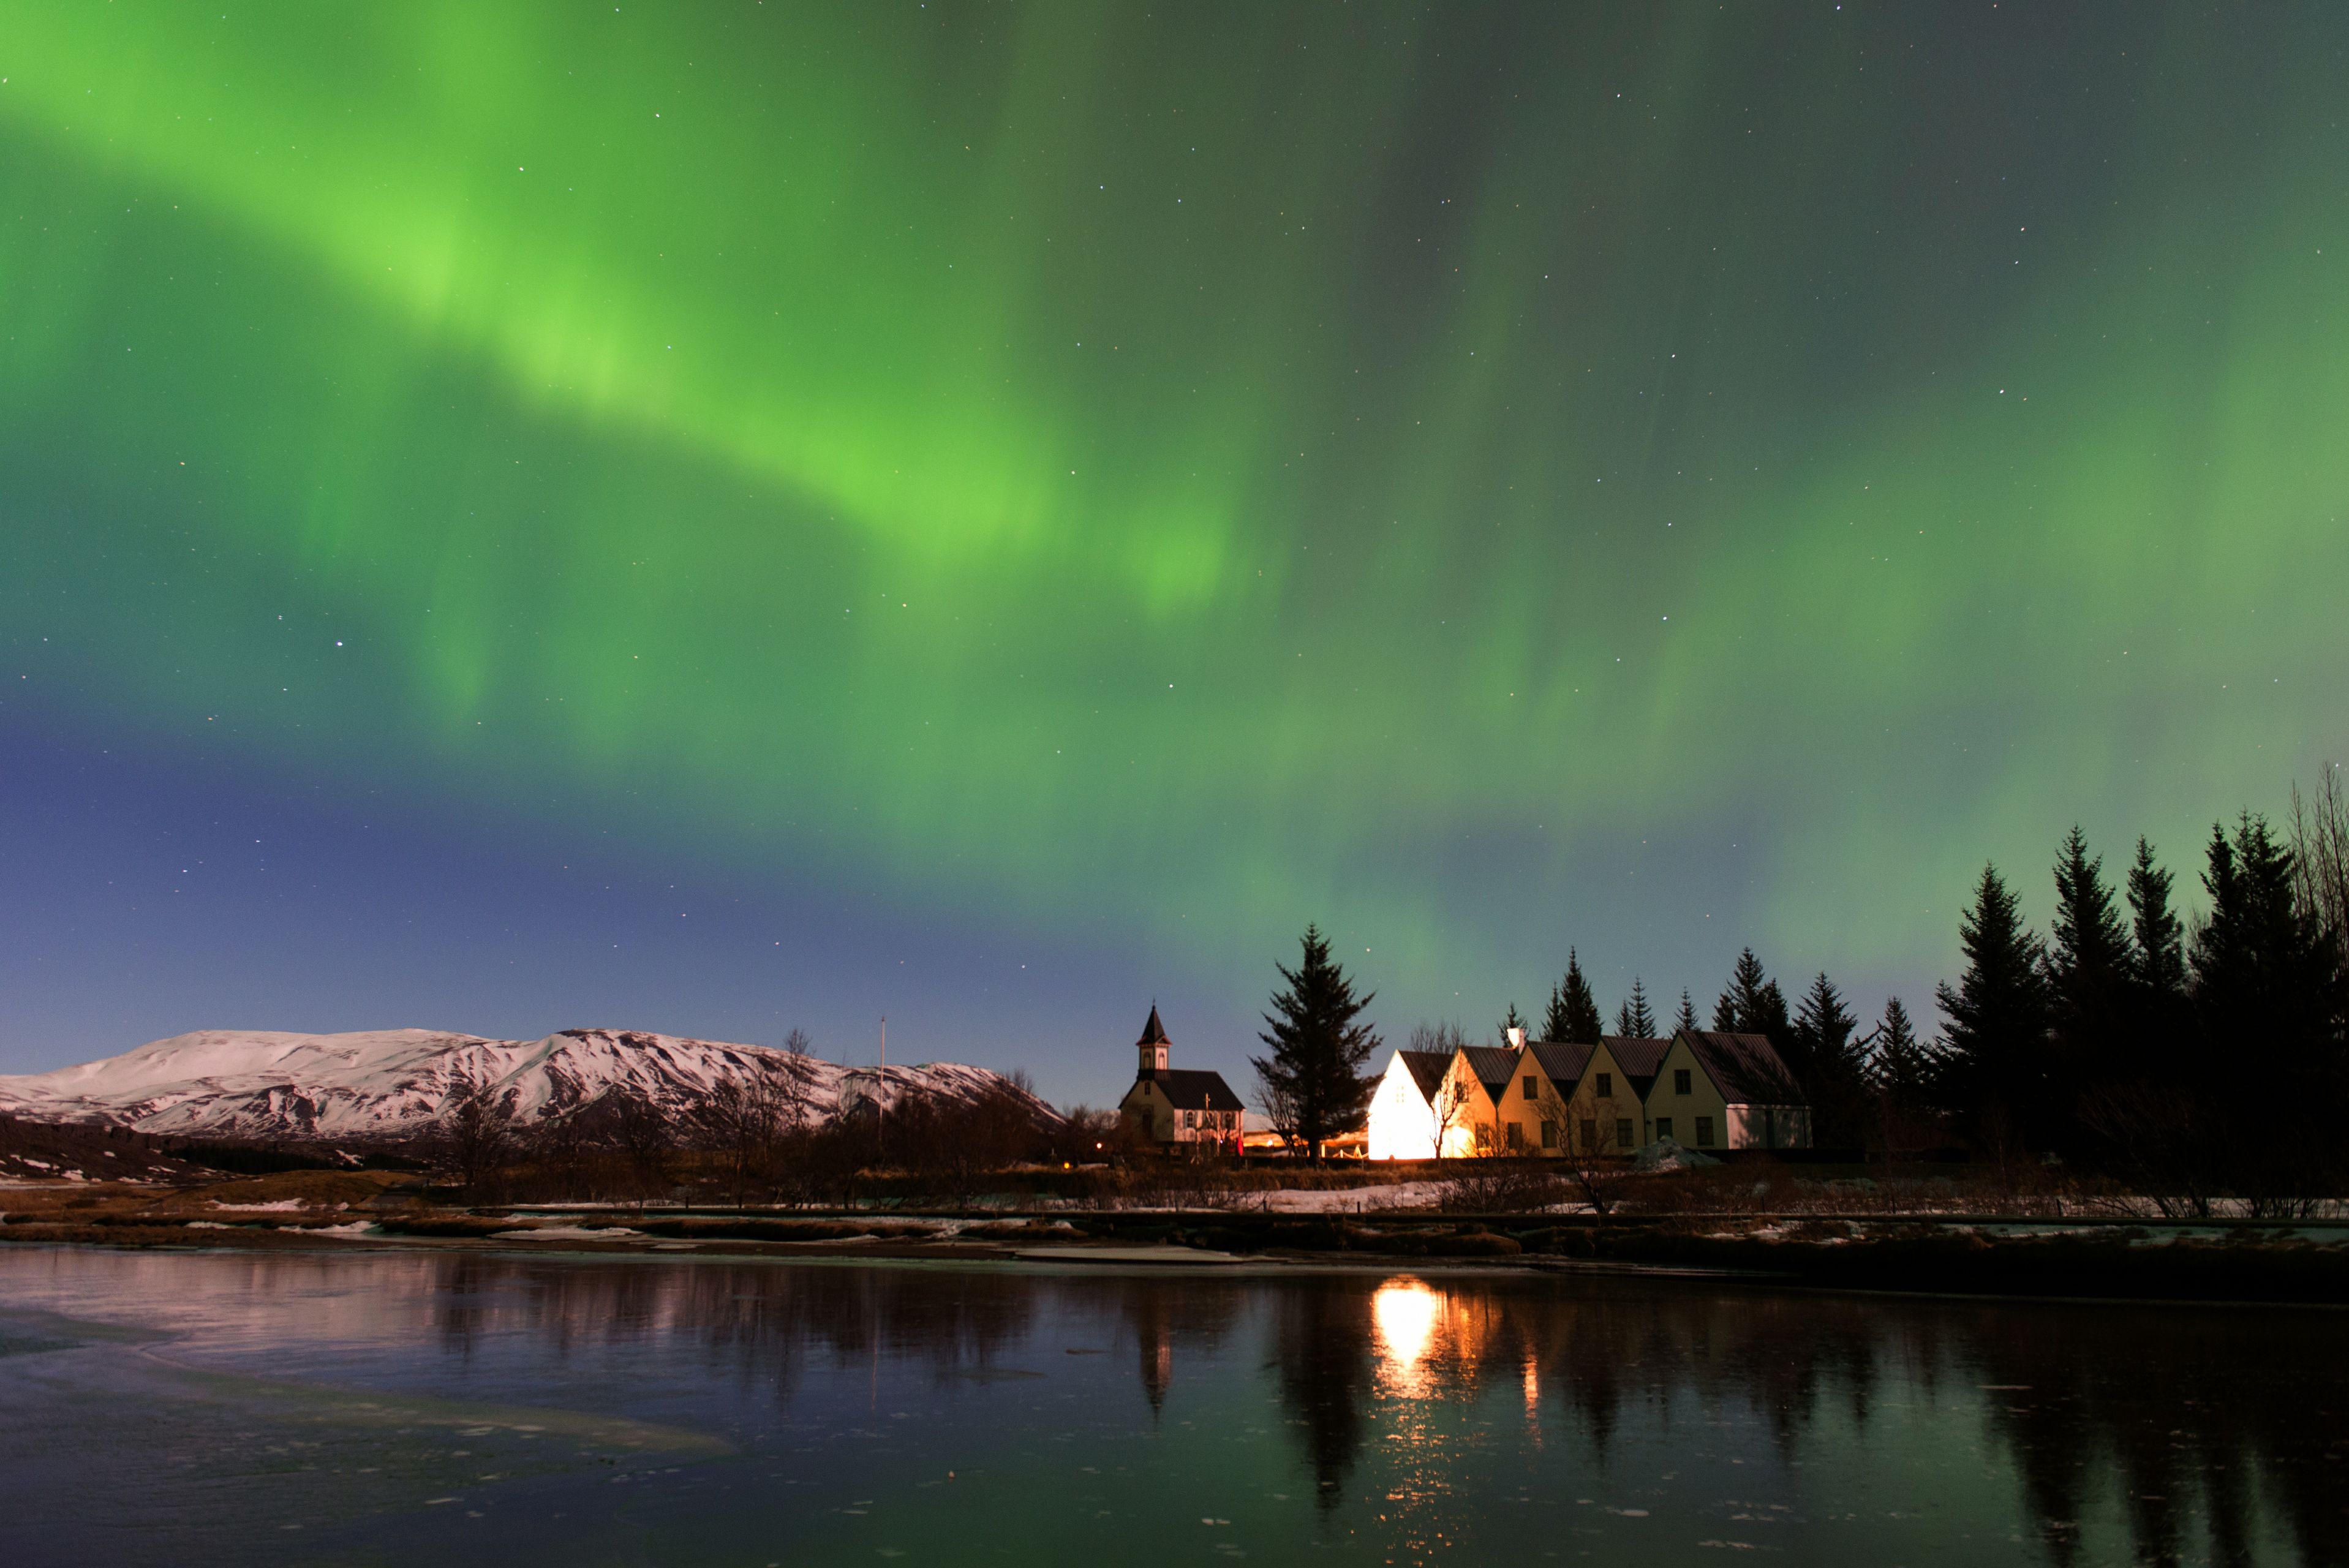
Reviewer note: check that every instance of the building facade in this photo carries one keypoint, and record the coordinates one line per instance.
(1700, 1090)
(1176, 1107)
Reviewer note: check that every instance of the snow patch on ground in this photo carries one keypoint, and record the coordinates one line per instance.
(1355, 1199)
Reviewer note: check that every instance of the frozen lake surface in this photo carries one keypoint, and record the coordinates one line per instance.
(465, 1408)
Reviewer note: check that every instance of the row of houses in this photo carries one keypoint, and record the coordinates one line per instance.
(1698, 1088)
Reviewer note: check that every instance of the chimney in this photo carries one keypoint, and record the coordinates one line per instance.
(1517, 1039)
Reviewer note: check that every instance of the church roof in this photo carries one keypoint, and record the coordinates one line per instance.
(1153, 1033)
(1193, 1088)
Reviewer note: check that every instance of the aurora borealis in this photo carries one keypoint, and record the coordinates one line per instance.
(709, 517)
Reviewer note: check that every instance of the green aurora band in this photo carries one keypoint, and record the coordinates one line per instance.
(1481, 480)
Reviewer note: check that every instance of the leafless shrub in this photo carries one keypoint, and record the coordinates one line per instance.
(478, 1136)
(1500, 1187)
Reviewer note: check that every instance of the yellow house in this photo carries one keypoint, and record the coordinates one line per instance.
(1465, 1105)
(1582, 1100)
(1714, 1090)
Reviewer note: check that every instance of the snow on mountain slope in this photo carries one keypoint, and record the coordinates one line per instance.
(397, 1083)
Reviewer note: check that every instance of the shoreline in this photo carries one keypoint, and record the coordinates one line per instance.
(1978, 1259)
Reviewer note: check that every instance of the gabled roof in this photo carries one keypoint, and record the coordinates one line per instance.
(1153, 1033)
(1492, 1065)
(1640, 1059)
(1193, 1088)
(1746, 1068)
(1564, 1062)
(1426, 1068)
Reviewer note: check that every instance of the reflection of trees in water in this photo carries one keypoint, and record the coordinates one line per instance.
(1321, 1356)
(2187, 1417)
(2244, 1413)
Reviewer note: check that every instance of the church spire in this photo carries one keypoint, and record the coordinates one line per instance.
(1153, 1045)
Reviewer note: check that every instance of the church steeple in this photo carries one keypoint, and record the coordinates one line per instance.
(1153, 1045)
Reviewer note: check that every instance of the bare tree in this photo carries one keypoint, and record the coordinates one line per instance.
(478, 1132)
(1593, 1149)
(2320, 844)
(1455, 1098)
(1281, 1111)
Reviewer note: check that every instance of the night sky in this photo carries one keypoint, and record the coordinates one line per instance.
(710, 517)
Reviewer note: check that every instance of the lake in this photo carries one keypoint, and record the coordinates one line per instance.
(188, 1408)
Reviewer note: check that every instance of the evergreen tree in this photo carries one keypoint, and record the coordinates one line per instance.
(1899, 1070)
(2160, 955)
(1991, 1073)
(1900, 1061)
(1573, 1015)
(2090, 979)
(1635, 1018)
(2268, 992)
(1830, 1064)
(2263, 973)
(1686, 1018)
(1752, 1004)
(1514, 1020)
(1318, 1047)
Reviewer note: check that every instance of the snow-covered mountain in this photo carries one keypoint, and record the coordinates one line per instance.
(398, 1083)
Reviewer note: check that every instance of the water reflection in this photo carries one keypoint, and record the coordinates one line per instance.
(1421, 1412)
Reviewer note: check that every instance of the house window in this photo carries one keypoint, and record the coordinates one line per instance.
(1680, 1081)
(1589, 1135)
(1606, 1090)
(1190, 1119)
(1532, 1087)
(1516, 1138)
(1623, 1137)
(1549, 1135)
(1663, 1126)
(1704, 1133)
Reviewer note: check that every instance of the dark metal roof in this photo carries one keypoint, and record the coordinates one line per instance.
(1153, 1033)
(1640, 1059)
(1427, 1069)
(1492, 1066)
(1746, 1068)
(1190, 1088)
(1564, 1061)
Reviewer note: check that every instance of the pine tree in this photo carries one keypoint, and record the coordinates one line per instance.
(1991, 1073)
(1635, 1018)
(2160, 949)
(1573, 1016)
(2091, 973)
(1318, 1047)
(1900, 1070)
(2268, 996)
(1686, 1018)
(1829, 1064)
(1900, 1061)
(1514, 1020)
(1752, 1004)
(2265, 975)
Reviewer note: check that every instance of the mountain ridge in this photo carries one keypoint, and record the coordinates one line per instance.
(399, 1084)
